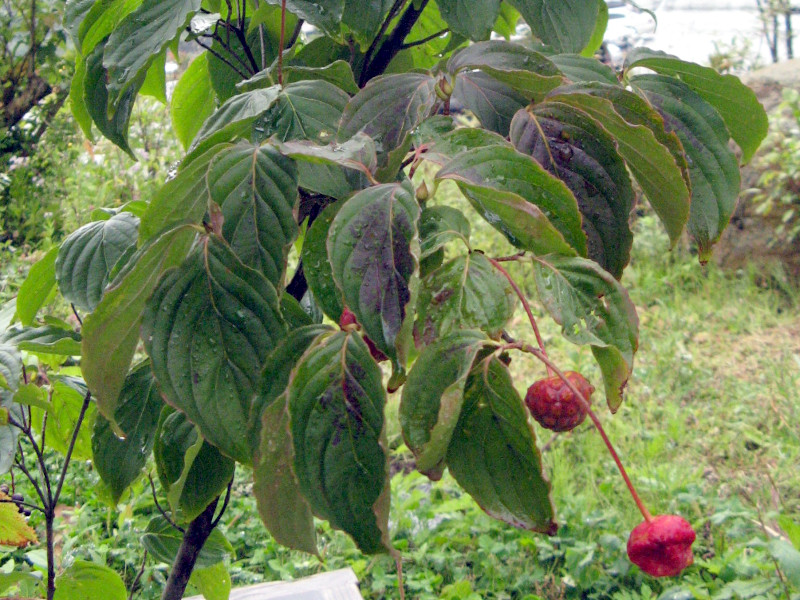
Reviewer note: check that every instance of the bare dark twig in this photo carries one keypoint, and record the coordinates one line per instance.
(425, 40)
(159, 507)
(225, 502)
(138, 575)
(84, 407)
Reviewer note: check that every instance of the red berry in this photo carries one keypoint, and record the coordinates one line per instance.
(553, 404)
(662, 547)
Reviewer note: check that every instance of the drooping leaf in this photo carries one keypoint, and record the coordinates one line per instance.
(119, 461)
(566, 25)
(317, 267)
(325, 14)
(713, 168)
(524, 70)
(155, 79)
(192, 100)
(513, 193)
(140, 37)
(208, 328)
(432, 397)
(192, 471)
(336, 402)
(592, 308)
(14, 529)
(77, 102)
(101, 20)
(574, 147)
(256, 187)
(213, 582)
(338, 73)
(46, 339)
(656, 163)
(466, 292)
(10, 366)
(67, 399)
(440, 224)
(492, 452)
(111, 332)
(493, 103)
(598, 34)
(357, 153)
(75, 12)
(31, 394)
(88, 255)
(162, 541)
(579, 68)
(387, 109)
(736, 103)
(37, 288)
(373, 247)
(85, 580)
(471, 19)
(9, 434)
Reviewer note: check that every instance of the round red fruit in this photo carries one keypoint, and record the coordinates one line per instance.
(662, 547)
(553, 404)
(347, 319)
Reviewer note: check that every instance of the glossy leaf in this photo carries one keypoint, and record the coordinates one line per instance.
(336, 403)
(317, 267)
(37, 289)
(141, 36)
(357, 153)
(101, 20)
(325, 14)
(192, 471)
(440, 224)
(119, 461)
(471, 19)
(111, 332)
(14, 528)
(598, 34)
(373, 247)
(518, 67)
(85, 580)
(387, 109)
(579, 68)
(432, 397)
(75, 12)
(592, 308)
(441, 149)
(713, 168)
(47, 339)
(213, 582)
(466, 292)
(493, 454)
(339, 73)
(566, 25)
(77, 102)
(652, 163)
(364, 17)
(88, 255)
(516, 195)
(736, 103)
(256, 187)
(574, 147)
(162, 541)
(10, 366)
(208, 328)
(493, 103)
(192, 100)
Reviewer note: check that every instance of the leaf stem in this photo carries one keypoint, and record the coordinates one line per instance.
(84, 407)
(281, 42)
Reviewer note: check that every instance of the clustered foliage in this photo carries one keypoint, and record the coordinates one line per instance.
(311, 142)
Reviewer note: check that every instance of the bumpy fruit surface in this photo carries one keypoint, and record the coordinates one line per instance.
(347, 319)
(348, 322)
(662, 547)
(553, 404)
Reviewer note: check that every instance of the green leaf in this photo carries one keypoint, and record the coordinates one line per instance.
(88, 255)
(579, 68)
(433, 395)
(471, 19)
(336, 403)
(493, 103)
(95, 98)
(574, 147)
(10, 366)
(440, 224)
(493, 454)
(467, 292)
(47, 339)
(337, 73)
(357, 153)
(9, 435)
(596, 41)
(713, 168)
(36, 291)
(75, 11)
(441, 149)
(317, 267)
(788, 558)
(791, 528)
(518, 67)
(67, 399)
(111, 332)
(192, 100)
(162, 541)
(256, 187)
(31, 394)
(208, 328)
(514, 194)
(592, 308)
(657, 167)
(223, 76)
(387, 109)
(325, 14)
(373, 249)
(566, 25)
(140, 37)
(155, 80)
(305, 110)
(84, 580)
(213, 582)
(364, 17)
(192, 471)
(119, 461)
(77, 102)
(101, 19)
(736, 103)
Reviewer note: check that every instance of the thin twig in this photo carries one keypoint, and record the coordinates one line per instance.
(75, 312)
(424, 40)
(160, 509)
(138, 575)
(225, 502)
(222, 58)
(21, 466)
(84, 407)
(396, 8)
(38, 451)
(261, 39)
(281, 42)
(22, 503)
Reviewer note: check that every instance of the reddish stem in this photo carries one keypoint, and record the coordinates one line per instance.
(527, 308)
(281, 42)
(543, 357)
